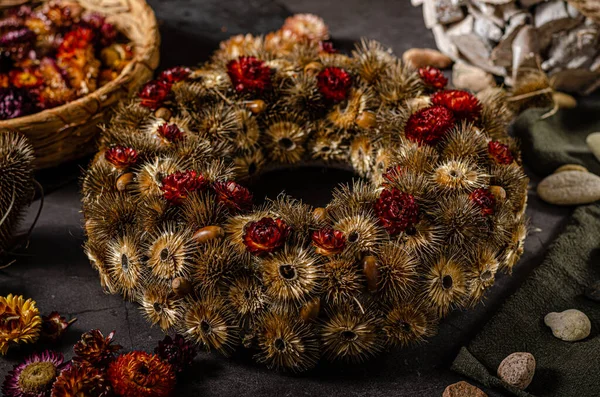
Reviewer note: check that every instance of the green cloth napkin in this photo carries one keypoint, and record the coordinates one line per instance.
(549, 143)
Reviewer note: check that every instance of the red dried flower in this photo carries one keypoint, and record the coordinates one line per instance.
(54, 326)
(154, 93)
(334, 83)
(176, 351)
(81, 380)
(327, 47)
(500, 152)
(396, 210)
(265, 235)
(121, 157)
(328, 241)
(76, 39)
(433, 77)
(391, 175)
(234, 196)
(429, 125)
(249, 74)
(463, 104)
(176, 187)
(93, 348)
(139, 374)
(484, 199)
(171, 132)
(173, 75)
(28, 78)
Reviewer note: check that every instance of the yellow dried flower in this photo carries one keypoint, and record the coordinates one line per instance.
(20, 321)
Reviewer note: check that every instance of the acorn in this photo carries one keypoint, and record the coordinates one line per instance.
(366, 119)
(256, 106)
(163, 113)
(320, 214)
(310, 310)
(371, 272)
(124, 180)
(208, 233)
(181, 286)
(498, 192)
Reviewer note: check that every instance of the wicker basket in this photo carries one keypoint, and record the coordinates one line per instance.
(67, 132)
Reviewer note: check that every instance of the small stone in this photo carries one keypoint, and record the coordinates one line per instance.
(593, 292)
(517, 369)
(570, 325)
(421, 57)
(463, 389)
(593, 141)
(564, 101)
(570, 188)
(571, 167)
(472, 78)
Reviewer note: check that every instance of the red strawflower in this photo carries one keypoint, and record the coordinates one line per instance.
(327, 47)
(427, 126)
(121, 157)
(82, 380)
(234, 196)
(176, 187)
(93, 348)
(391, 175)
(171, 132)
(328, 241)
(139, 374)
(433, 77)
(500, 152)
(154, 93)
(334, 83)
(249, 74)
(54, 327)
(76, 39)
(265, 235)
(176, 351)
(28, 78)
(463, 104)
(396, 210)
(174, 75)
(484, 199)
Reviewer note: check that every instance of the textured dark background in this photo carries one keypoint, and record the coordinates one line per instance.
(55, 273)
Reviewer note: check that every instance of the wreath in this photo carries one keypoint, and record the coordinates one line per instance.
(437, 211)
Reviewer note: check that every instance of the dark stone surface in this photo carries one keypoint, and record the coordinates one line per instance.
(55, 272)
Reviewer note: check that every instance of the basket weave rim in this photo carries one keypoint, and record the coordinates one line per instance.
(142, 57)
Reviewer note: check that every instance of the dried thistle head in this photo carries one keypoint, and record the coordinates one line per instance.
(408, 323)
(445, 284)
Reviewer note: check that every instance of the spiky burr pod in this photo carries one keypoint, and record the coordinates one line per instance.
(16, 184)
(439, 208)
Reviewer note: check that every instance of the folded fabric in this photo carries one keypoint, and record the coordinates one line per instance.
(560, 139)
(564, 369)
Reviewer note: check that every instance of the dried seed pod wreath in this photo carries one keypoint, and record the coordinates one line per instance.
(438, 211)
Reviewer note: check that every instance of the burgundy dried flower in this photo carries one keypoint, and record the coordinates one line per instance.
(176, 187)
(433, 77)
(16, 38)
(234, 196)
(178, 352)
(327, 47)
(328, 241)
(171, 132)
(95, 349)
(54, 327)
(249, 74)
(154, 93)
(483, 199)
(334, 83)
(427, 126)
(396, 210)
(500, 152)
(463, 104)
(174, 75)
(121, 157)
(265, 235)
(16, 102)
